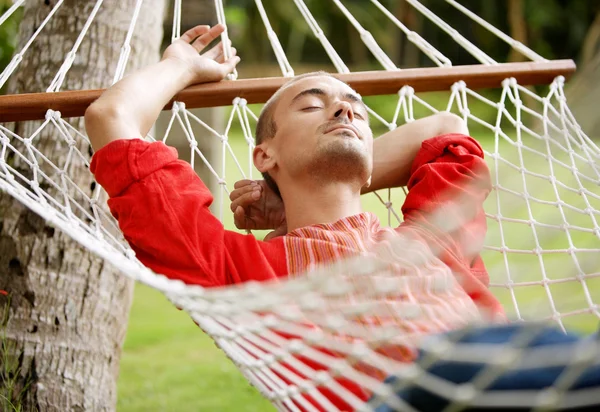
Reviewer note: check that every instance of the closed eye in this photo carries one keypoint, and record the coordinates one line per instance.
(310, 108)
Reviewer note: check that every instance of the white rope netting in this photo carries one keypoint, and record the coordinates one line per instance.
(541, 249)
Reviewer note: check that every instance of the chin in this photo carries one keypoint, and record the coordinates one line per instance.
(342, 159)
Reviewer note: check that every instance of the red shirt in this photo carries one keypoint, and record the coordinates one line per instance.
(162, 208)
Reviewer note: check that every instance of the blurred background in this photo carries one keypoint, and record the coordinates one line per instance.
(167, 364)
(556, 29)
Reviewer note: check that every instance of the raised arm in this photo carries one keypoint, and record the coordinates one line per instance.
(161, 205)
(395, 151)
(255, 206)
(449, 183)
(128, 109)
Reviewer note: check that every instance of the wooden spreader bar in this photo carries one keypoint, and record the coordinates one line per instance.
(34, 106)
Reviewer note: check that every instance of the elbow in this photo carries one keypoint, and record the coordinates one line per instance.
(449, 123)
(97, 117)
(94, 119)
(92, 116)
(99, 112)
(105, 122)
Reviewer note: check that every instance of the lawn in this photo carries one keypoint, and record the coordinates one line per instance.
(168, 364)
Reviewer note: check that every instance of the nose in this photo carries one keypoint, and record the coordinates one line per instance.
(343, 109)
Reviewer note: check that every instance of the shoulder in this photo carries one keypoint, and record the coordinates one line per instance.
(124, 161)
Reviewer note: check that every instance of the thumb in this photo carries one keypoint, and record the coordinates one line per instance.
(228, 66)
(280, 231)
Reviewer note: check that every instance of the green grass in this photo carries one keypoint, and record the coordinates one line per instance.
(169, 364)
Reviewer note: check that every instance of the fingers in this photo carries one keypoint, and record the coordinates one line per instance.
(193, 33)
(242, 187)
(280, 231)
(239, 217)
(242, 191)
(243, 182)
(221, 57)
(229, 65)
(215, 52)
(241, 221)
(245, 197)
(201, 42)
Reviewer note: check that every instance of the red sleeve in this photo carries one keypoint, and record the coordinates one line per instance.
(162, 209)
(449, 183)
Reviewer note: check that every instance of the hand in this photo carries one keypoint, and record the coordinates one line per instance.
(255, 206)
(208, 67)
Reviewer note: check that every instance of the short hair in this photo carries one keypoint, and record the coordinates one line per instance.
(266, 126)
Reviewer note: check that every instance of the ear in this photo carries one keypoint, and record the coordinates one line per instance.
(368, 183)
(264, 158)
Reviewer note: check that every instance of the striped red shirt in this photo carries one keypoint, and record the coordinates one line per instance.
(163, 210)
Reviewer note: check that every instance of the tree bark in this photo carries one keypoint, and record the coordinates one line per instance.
(583, 91)
(414, 21)
(68, 310)
(589, 49)
(518, 27)
(518, 31)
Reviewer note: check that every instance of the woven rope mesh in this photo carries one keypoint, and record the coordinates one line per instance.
(358, 320)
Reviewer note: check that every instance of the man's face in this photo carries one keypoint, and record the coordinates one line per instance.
(322, 132)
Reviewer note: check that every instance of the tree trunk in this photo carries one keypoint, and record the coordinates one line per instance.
(413, 20)
(68, 310)
(583, 91)
(358, 51)
(589, 49)
(518, 27)
(518, 31)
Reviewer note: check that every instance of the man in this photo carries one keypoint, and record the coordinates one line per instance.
(316, 145)
(321, 163)
(316, 148)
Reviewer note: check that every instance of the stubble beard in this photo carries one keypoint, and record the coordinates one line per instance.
(341, 158)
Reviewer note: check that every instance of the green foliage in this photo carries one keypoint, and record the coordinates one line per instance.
(8, 33)
(556, 30)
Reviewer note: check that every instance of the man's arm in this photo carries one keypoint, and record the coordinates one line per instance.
(256, 206)
(161, 205)
(162, 208)
(395, 151)
(128, 109)
(449, 181)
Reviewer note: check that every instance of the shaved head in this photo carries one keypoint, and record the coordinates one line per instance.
(315, 128)
(266, 128)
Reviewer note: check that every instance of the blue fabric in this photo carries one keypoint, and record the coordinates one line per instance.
(523, 379)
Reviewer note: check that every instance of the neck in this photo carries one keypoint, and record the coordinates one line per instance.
(305, 206)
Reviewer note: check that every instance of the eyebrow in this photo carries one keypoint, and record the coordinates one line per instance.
(320, 92)
(313, 92)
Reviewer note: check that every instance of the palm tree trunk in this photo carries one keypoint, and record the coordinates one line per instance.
(68, 310)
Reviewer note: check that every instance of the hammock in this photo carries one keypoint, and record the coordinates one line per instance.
(541, 249)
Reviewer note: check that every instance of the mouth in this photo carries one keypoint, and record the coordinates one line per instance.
(344, 128)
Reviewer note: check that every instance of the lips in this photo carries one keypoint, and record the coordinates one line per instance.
(343, 127)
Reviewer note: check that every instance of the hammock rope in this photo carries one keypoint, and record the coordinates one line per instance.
(541, 250)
